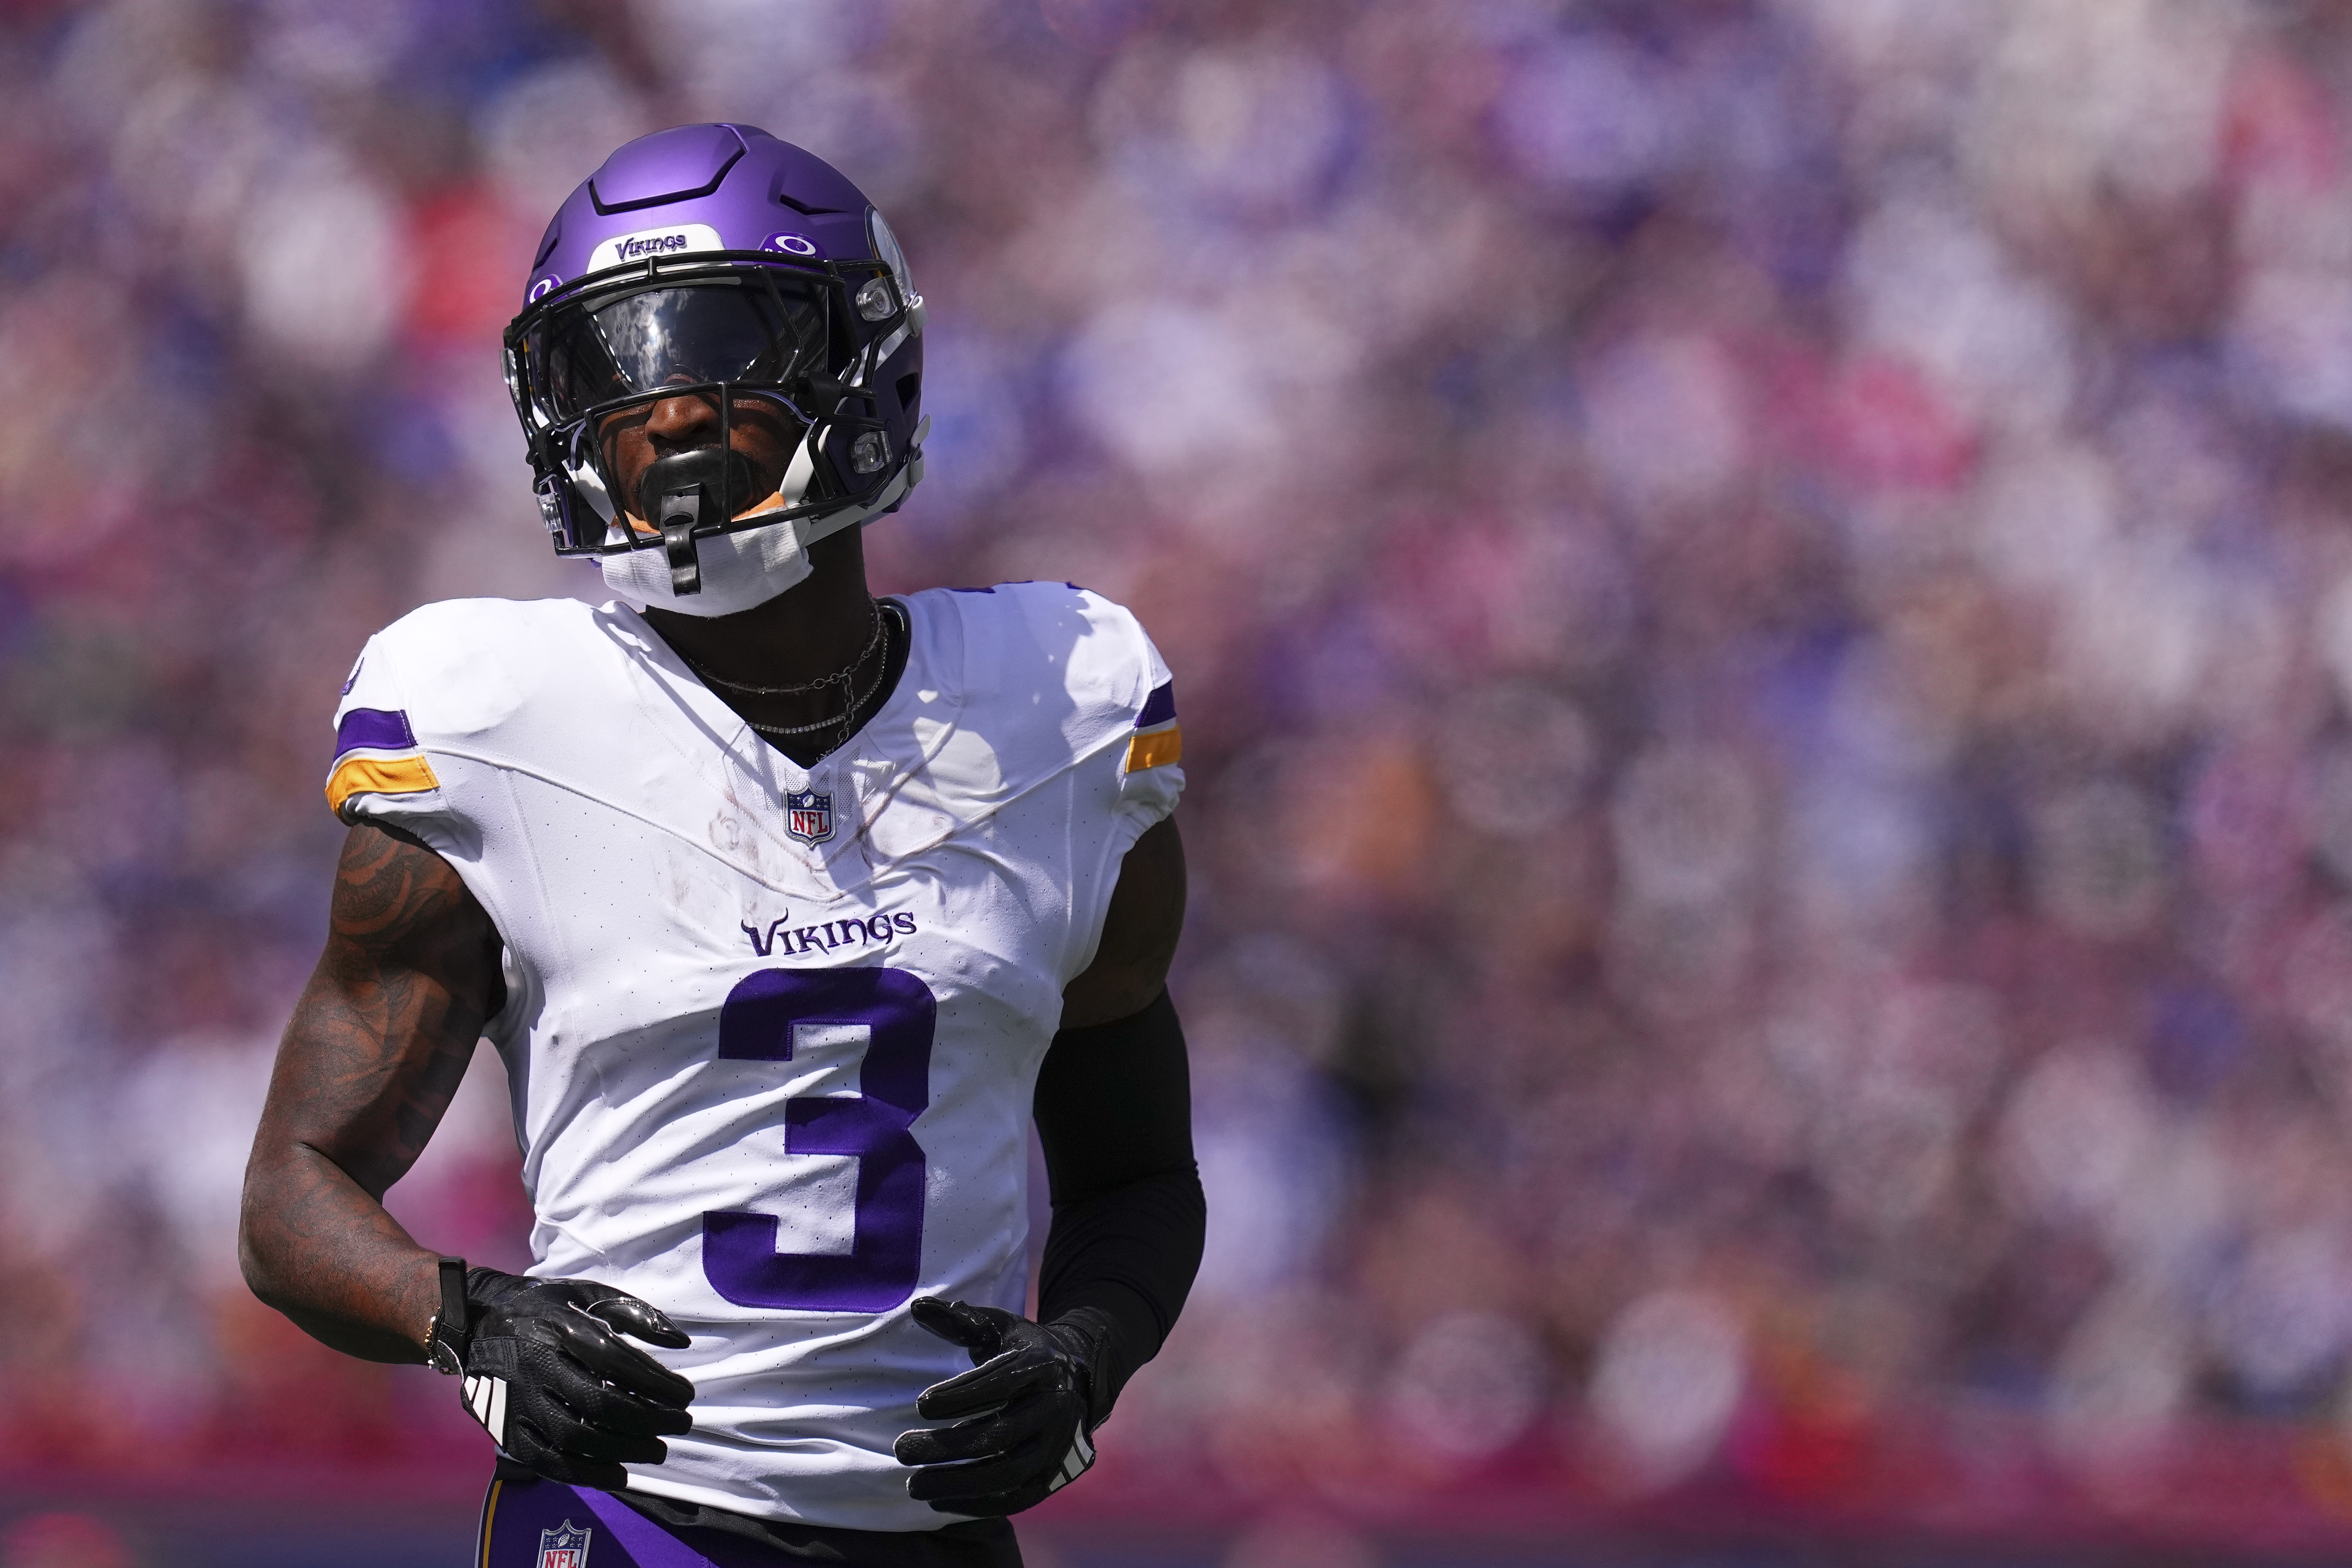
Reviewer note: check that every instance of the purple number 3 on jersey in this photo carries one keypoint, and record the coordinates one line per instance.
(886, 1255)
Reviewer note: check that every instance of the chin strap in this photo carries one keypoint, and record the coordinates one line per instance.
(681, 510)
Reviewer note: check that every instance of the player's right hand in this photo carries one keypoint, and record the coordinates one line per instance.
(557, 1389)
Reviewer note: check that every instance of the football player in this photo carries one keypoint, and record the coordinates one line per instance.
(787, 908)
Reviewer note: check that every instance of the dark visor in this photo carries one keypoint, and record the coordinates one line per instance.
(753, 332)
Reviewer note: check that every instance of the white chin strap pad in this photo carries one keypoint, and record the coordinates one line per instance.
(739, 571)
(746, 568)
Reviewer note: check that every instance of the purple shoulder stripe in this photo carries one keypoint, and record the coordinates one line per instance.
(1158, 708)
(384, 729)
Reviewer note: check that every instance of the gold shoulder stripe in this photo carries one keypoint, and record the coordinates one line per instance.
(378, 775)
(1155, 750)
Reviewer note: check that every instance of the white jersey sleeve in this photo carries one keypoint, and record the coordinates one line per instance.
(1118, 733)
(381, 769)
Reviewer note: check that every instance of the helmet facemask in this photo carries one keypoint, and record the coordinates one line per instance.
(761, 341)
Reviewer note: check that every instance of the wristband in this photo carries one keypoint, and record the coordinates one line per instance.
(444, 1340)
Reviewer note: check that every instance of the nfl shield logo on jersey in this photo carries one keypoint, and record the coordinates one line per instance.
(564, 1547)
(808, 816)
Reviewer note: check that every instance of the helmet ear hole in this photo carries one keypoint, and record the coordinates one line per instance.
(909, 387)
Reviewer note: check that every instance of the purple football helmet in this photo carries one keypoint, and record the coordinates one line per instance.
(715, 260)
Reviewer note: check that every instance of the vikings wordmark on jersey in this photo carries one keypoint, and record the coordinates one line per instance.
(773, 1033)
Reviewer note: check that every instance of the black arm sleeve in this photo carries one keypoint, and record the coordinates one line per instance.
(1115, 1116)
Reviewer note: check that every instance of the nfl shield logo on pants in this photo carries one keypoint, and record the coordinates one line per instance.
(566, 1547)
(808, 816)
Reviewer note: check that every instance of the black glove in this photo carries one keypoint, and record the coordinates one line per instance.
(1027, 1404)
(557, 1389)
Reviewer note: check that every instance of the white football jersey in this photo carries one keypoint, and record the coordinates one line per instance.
(773, 1033)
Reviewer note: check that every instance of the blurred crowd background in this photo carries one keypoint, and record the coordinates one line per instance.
(1762, 596)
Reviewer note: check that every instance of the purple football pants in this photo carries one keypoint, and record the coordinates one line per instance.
(528, 1522)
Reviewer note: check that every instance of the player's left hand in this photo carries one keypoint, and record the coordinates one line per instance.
(1021, 1426)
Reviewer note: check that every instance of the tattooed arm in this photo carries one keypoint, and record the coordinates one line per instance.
(371, 1060)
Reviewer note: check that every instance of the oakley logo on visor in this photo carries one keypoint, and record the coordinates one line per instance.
(675, 241)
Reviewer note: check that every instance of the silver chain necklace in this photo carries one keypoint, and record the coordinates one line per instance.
(838, 677)
(845, 678)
